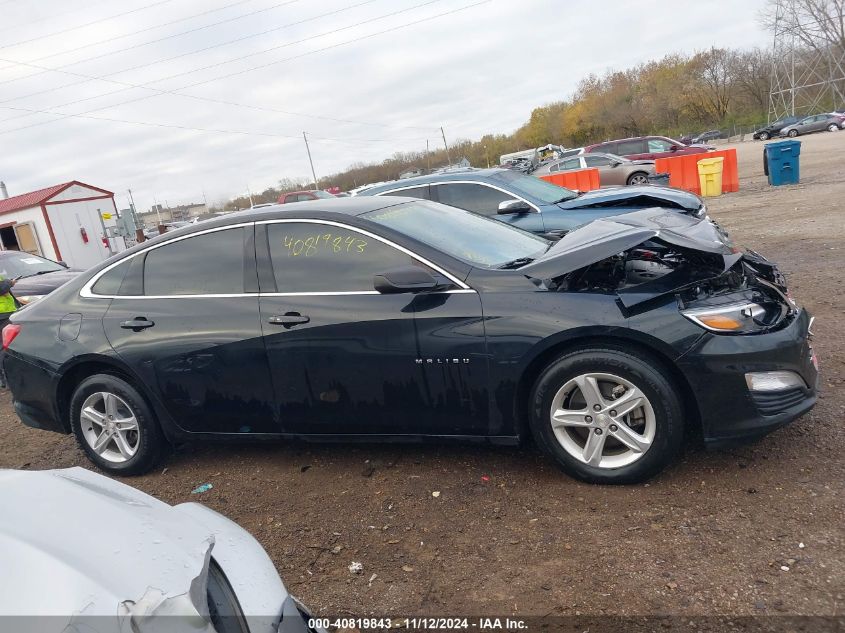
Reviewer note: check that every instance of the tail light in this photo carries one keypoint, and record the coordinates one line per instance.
(9, 334)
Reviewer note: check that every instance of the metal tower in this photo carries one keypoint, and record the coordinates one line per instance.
(808, 66)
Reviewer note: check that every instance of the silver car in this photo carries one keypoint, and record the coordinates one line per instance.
(815, 123)
(613, 169)
(83, 553)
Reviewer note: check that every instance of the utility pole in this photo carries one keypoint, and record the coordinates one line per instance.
(249, 193)
(487, 156)
(158, 212)
(311, 162)
(427, 156)
(448, 157)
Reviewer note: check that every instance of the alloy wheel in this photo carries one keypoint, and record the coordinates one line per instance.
(603, 420)
(110, 426)
(639, 179)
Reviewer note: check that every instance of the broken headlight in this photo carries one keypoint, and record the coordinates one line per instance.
(744, 317)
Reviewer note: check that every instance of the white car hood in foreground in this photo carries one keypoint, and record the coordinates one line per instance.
(85, 553)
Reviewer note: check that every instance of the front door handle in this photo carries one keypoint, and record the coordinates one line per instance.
(137, 324)
(288, 320)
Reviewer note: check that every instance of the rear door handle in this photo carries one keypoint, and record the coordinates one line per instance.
(288, 320)
(137, 324)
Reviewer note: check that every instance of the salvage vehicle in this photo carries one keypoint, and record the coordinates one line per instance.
(647, 148)
(772, 129)
(816, 123)
(613, 170)
(403, 319)
(113, 559)
(303, 196)
(35, 276)
(533, 204)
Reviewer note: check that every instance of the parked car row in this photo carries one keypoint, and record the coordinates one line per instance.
(613, 170)
(792, 126)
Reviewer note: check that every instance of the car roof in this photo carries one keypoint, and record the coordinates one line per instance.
(469, 174)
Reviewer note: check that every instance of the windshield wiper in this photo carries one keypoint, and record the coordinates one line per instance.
(516, 263)
(40, 272)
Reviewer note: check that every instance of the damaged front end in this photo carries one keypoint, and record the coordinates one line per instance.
(646, 255)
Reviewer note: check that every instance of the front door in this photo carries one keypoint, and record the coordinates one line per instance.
(348, 360)
(184, 318)
(484, 199)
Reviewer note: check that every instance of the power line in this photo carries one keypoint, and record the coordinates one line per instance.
(190, 72)
(131, 34)
(51, 17)
(81, 26)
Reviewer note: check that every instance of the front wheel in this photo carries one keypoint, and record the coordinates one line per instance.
(833, 127)
(607, 416)
(638, 178)
(115, 426)
(764, 136)
(793, 133)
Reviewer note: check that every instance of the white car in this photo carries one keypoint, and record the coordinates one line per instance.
(80, 552)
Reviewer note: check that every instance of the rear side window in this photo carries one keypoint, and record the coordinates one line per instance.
(610, 148)
(206, 264)
(625, 148)
(109, 284)
(310, 257)
(572, 163)
(413, 192)
(597, 161)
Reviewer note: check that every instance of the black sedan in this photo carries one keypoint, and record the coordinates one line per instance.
(396, 318)
(34, 276)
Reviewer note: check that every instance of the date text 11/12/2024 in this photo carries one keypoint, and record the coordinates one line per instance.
(421, 624)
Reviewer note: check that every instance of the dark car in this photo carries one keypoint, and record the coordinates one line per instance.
(304, 196)
(774, 128)
(36, 276)
(534, 204)
(401, 319)
(647, 148)
(710, 135)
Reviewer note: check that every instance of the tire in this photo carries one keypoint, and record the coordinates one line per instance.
(107, 411)
(638, 178)
(764, 136)
(792, 133)
(833, 127)
(657, 422)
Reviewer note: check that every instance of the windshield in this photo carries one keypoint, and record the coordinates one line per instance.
(13, 265)
(533, 188)
(466, 236)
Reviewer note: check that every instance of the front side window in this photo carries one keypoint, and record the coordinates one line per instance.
(312, 257)
(466, 236)
(412, 192)
(657, 145)
(532, 188)
(472, 197)
(212, 263)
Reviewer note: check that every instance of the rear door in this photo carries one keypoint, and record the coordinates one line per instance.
(348, 360)
(185, 321)
(633, 149)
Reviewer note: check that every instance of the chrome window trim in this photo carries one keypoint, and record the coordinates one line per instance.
(87, 293)
(463, 182)
(402, 249)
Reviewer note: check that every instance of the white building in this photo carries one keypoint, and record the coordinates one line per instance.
(72, 222)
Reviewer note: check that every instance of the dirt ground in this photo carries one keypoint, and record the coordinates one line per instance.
(448, 530)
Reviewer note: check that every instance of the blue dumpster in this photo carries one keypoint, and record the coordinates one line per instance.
(782, 158)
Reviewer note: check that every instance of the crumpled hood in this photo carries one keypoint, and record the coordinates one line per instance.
(637, 196)
(43, 284)
(74, 542)
(606, 237)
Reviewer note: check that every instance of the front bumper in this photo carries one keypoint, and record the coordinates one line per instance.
(716, 367)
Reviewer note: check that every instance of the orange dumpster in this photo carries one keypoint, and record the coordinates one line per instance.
(576, 179)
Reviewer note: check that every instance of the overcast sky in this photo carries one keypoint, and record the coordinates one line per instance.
(364, 79)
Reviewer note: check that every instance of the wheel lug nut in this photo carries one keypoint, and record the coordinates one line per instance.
(596, 407)
(599, 431)
(613, 412)
(588, 418)
(614, 428)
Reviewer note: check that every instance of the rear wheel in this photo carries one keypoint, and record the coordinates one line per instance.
(638, 178)
(607, 416)
(114, 425)
(793, 133)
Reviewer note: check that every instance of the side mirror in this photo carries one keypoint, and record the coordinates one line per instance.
(513, 206)
(615, 163)
(405, 279)
(675, 148)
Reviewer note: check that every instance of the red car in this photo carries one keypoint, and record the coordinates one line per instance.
(647, 148)
(303, 196)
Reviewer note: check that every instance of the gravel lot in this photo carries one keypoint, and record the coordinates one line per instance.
(448, 530)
